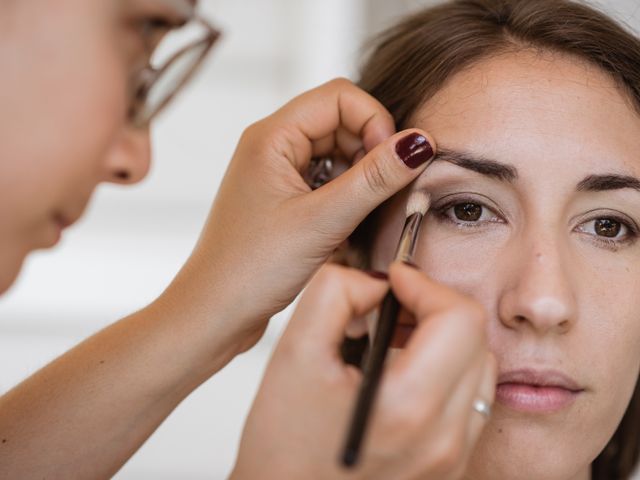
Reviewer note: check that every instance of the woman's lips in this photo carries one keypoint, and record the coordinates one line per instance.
(523, 390)
(60, 222)
(536, 391)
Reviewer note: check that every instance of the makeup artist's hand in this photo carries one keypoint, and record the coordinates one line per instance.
(423, 424)
(268, 232)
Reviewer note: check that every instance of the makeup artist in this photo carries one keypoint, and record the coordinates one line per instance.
(77, 102)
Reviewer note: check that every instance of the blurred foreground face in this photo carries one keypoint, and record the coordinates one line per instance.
(537, 216)
(67, 68)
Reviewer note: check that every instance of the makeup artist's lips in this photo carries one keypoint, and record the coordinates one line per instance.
(61, 222)
(536, 391)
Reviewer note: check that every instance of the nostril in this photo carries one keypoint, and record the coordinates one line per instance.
(122, 175)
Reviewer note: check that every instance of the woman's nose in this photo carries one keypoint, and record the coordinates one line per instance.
(538, 296)
(129, 158)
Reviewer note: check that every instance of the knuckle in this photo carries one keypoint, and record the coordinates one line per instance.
(330, 273)
(254, 135)
(329, 280)
(477, 315)
(473, 313)
(340, 83)
(288, 349)
(376, 177)
(401, 428)
(449, 453)
(418, 414)
(404, 420)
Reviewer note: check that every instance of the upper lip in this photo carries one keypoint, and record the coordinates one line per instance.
(540, 378)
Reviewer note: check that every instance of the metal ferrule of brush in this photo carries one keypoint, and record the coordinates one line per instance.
(409, 237)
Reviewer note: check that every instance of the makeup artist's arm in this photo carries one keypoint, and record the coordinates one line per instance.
(267, 232)
(423, 424)
(86, 413)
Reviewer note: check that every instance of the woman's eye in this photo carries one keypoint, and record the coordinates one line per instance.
(155, 25)
(151, 28)
(468, 212)
(606, 227)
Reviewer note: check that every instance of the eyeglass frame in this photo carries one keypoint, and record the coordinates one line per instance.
(149, 75)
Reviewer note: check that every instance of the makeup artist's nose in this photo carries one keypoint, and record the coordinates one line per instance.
(129, 158)
(539, 297)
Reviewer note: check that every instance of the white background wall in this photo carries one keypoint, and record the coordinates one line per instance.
(133, 240)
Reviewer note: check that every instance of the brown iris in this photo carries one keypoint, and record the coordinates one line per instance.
(607, 227)
(468, 212)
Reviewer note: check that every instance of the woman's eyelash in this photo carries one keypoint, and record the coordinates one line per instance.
(469, 207)
(475, 210)
(612, 243)
(156, 25)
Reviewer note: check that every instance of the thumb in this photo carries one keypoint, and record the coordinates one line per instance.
(381, 173)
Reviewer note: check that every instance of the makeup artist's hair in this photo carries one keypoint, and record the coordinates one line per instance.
(414, 59)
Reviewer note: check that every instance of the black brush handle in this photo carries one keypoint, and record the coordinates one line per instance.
(371, 378)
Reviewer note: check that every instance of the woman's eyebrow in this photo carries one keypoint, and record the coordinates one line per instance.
(610, 181)
(509, 173)
(484, 166)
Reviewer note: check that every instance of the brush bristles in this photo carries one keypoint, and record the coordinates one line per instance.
(418, 203)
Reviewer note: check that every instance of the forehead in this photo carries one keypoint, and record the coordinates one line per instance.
(532, 108)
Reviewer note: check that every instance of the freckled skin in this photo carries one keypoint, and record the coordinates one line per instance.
(556, 297)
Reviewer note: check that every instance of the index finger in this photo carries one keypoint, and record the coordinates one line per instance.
(318, 113)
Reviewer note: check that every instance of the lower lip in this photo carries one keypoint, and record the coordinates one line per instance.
(532, 399)
(58, 228)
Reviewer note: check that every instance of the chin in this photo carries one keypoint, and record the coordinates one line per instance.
(10, 267)
(529, 452)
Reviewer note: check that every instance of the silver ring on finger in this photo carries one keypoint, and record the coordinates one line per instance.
(482, 407)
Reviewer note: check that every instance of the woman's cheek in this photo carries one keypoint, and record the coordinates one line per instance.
(458, 257)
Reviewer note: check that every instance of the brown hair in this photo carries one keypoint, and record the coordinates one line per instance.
(414, 59)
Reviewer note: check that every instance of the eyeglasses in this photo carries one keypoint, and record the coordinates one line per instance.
(155, 87)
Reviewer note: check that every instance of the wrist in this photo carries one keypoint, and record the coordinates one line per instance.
(205, 309)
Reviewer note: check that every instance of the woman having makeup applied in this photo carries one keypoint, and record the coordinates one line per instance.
(87, 412)
(534, 218)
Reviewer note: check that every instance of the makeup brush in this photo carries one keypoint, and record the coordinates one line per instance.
(417, 207)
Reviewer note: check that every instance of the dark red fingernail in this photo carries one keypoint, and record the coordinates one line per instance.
(377, 274)
(414, 150)
(411, 264)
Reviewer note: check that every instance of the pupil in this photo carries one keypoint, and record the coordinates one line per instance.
(606, 227)
(468, 212)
